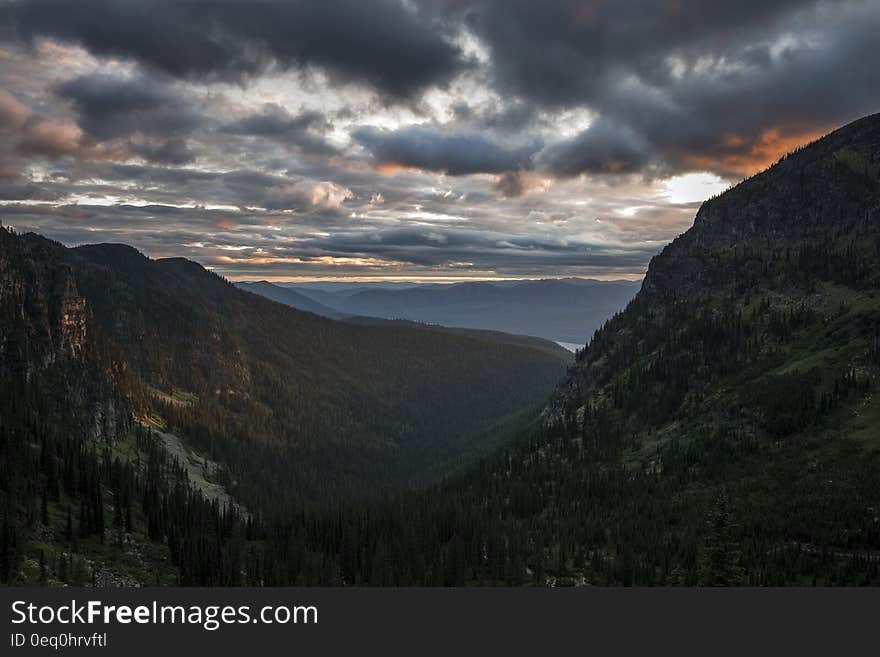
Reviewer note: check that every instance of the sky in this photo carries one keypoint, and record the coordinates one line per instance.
(412, 140)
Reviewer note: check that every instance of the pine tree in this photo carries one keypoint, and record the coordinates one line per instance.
(719, 555)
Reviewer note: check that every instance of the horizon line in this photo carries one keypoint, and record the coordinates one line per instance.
(422, 279)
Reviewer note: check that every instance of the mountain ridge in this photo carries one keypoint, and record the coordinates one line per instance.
(690, 269)
(182, 327)
(565, 310)
(288, 297)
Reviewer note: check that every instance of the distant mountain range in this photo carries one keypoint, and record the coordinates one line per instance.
(288, 297)
(564, 310)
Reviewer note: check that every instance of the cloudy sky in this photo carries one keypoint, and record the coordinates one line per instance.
(456, 139)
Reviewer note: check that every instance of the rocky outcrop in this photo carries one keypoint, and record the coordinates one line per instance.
(45, 318)
(69, 322)
(47, 340)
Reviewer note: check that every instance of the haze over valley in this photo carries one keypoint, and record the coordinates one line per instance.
(567, 311)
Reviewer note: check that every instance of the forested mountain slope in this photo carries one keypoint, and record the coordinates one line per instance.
(298, 409)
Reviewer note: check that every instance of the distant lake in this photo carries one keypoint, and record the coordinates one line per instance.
(571, 346)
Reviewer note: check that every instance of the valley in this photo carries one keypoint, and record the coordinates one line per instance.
(562, 310)
(720, 428)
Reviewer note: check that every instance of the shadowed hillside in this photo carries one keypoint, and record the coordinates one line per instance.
(297, 409)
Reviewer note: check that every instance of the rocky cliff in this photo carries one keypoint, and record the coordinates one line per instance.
(48, 341)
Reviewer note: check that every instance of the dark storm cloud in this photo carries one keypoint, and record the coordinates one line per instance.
(275, 123)
(170, 151)
(382, 43)
(519, 137)
(604, 147)
(563, 52)
(750, 106)
(427, 148)
(110, 106)
(665, 73)
(671, 73)
(141, 115)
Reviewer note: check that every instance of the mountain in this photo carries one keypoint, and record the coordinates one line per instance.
(284, 409)
(567, 310)
(287, 296)
(276, 377)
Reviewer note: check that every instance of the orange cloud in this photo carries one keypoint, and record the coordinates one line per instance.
(390, 168)
(747, 156)
(225, 225)
(9, 171)
(51, 138)
(13, 113)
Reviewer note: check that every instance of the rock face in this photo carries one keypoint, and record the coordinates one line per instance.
(47, 336)
(814, 215)
(45, 318)
(70, 321)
